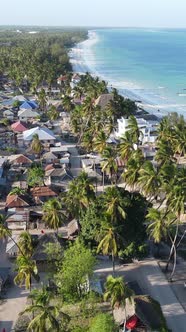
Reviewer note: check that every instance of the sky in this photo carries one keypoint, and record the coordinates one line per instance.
(119, 13)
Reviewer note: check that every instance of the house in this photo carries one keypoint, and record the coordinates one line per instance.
(40, 255)
(103, 100)
(27, 115)
(45, 135)
(18, 160)
(20, 184)
(42, 194)
(60, 151)
(49, 157)
(3, 162)
(19, 127)
(148, 129)
(58, 177)
(17, 201)
(11, 247)
(8, 114)
(29, 105)
(62, 79)
(18, 218)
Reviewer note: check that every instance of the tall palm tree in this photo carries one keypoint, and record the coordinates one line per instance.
(100, 141)
(67, 103)
(134, 164)
(134, 130)
(80, 194)
(47, 317)
(117, 291)
(25, 244)
(42, 98)
(53, 215)
(109, 164)
(108, 244)
(36, 145)
(126, 146)
(114, 203)
(26, 269)
(149, 180)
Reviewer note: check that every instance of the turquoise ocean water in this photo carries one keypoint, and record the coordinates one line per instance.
(148, 65)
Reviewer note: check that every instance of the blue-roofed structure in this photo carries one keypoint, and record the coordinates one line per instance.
(28, 105)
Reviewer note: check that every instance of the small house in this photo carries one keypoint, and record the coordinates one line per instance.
(18, 127)
(42, 194)
(26, 115)
(8, 114)
(58, 177)
(17, 201)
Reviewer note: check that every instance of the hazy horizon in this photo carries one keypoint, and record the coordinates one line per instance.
(95, 13)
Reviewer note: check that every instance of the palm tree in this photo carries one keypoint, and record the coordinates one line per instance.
(134, 164)
(108, 244)
(100, 141)
(25, 244)
(134, 130)
(115, 204)
(53, 215)
(67, 103)
(109, 164)
(47, 317)
(36, 145)
(117, 291)
(165, 152)
(149, 180)
(42, 99)
(126, 146)
(80, 194)
(26, 269)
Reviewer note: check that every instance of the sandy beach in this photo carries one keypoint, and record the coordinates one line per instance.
(81, 58)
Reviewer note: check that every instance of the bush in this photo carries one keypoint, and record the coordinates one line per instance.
(133, 251)
(103, 323)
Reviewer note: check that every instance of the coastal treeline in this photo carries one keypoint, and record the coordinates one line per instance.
(32, 59)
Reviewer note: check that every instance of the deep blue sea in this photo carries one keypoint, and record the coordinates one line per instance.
(148, 65)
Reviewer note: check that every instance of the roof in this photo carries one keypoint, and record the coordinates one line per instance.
(16, 201)
(49, 167)
(103, 100)
(49, 155)
(59, 172)
(8, 112)
(43, 133)
(40, 254)
(42, 191)
(149, 311)
(28, 113)
(19, 126)
(73, 227)
(19, 159)
(28, 105)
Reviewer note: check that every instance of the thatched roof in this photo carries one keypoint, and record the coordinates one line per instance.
(40, 254)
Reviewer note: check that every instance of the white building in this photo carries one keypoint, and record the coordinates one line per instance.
(147, 127)
(45, 135)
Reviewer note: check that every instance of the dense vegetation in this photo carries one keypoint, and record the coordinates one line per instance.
(32, 59)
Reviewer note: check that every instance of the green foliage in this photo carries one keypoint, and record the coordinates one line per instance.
(77, 266)
(31, 59)
(35, 176)
(103, 323)
(53, 215)
(134, 251)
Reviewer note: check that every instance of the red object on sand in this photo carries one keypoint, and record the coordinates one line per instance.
(42, 231)
(132, 322)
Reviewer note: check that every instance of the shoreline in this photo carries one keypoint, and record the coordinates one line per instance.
(82, 50)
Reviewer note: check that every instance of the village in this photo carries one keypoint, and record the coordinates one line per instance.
(40, 156)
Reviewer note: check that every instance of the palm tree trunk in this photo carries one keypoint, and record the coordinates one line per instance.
(173, 248)
(113, 263)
